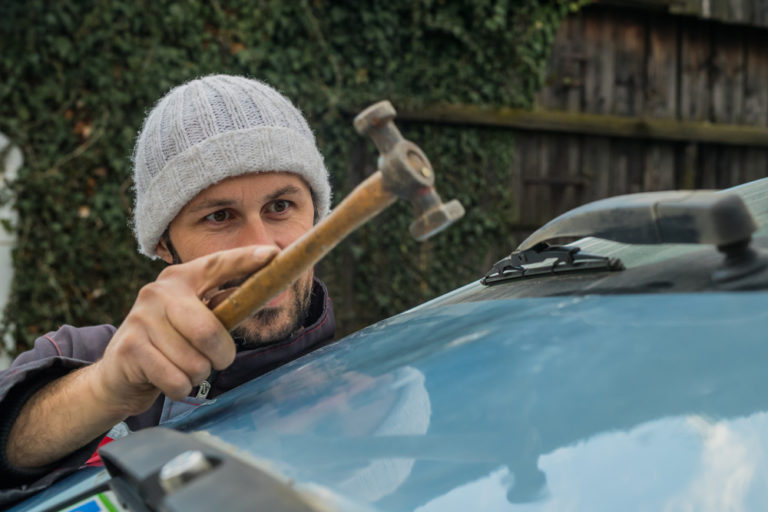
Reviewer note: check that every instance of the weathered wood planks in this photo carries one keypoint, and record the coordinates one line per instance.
(697, 89)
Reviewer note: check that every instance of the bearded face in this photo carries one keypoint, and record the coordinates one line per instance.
(272, 209)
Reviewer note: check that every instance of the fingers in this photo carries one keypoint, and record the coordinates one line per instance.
(164, 375)
(183, 328)
(170, 350)
(134, 368)
(197, 326)
(213, 270)
(170, 340)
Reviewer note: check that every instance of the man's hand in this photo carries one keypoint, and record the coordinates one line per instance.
(168, 343)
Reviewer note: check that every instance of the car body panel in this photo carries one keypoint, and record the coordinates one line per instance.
(545, 400)
(518, 384)
(593, 402)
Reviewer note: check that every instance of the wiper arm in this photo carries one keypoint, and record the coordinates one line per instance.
(535, 261)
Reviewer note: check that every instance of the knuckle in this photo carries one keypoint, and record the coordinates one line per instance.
(170, 272)
(199, 368)
(206, 337)
(177, 387)
(212, 265)
(128, 348)
(225, 355)
(147, 292)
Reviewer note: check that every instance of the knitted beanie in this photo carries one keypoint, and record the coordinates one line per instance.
(214, 128)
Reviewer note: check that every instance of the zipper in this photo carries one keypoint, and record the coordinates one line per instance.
(205, 388)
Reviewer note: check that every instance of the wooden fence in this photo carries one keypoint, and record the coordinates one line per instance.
(640, 95)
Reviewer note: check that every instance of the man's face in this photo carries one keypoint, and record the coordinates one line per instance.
(272, 208)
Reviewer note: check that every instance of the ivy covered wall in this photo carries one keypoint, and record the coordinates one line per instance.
(78, 77)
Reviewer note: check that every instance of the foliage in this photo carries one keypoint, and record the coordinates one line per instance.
(79, 75)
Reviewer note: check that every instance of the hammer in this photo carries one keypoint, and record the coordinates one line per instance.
(404, 171)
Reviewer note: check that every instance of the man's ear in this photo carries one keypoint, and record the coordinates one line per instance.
(164, 252)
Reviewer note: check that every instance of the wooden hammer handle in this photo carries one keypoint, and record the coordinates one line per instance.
(362, 204)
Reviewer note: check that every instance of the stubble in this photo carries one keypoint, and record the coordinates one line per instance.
(270, 325)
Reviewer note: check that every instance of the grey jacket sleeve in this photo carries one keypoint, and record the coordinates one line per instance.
(53, 356)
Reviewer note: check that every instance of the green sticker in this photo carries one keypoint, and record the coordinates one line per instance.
(107, 502)
(102, 502)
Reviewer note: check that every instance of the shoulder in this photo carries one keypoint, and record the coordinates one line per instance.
(81, 343)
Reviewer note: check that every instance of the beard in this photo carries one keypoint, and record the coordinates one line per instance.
(268, 325)
(273, 324)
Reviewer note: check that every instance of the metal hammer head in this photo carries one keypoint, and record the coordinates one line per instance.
(406, 171)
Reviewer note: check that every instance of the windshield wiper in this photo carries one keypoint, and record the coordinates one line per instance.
(543, 258)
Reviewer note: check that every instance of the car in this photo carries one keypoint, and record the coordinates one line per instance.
(625, 370)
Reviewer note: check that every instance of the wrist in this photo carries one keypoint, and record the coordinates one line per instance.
(116, 401)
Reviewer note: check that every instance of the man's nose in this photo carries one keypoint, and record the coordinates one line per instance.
(255, 232)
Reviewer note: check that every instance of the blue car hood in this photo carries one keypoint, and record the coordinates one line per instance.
(589, 403)
(568, 403)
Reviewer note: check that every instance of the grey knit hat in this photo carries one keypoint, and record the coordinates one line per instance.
(214, 128)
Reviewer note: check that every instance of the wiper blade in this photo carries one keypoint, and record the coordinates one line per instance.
(543, 258)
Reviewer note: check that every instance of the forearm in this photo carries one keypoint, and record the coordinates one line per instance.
(62, 417)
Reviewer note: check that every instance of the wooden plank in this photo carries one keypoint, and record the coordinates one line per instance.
(689, 167)
(541, 209)
(659, 167)
(755, 164)
(573, 194)
(737, 10)
(661, 101)
(638, 151)
(602, 125)
(755, 161)
(599, 58)
(629, 39)
(596, 167)
(759, 13)
(563, 179)
(728, 85)
(733, 12)
(529, 164)
(718, 9)
(756, 79)
(621, 156)
(660, 89)
(727, 75)
(695, 55)
(515, 183)
(563, 84)
(707, 176)
(729, 167)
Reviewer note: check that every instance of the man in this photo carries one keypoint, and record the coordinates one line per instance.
(226, 174)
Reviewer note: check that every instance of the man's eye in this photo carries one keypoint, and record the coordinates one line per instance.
(280, 205)
(219, 216)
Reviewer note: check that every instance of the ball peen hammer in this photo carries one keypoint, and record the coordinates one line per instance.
(404, 171)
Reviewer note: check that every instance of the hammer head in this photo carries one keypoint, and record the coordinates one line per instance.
(406, 171)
